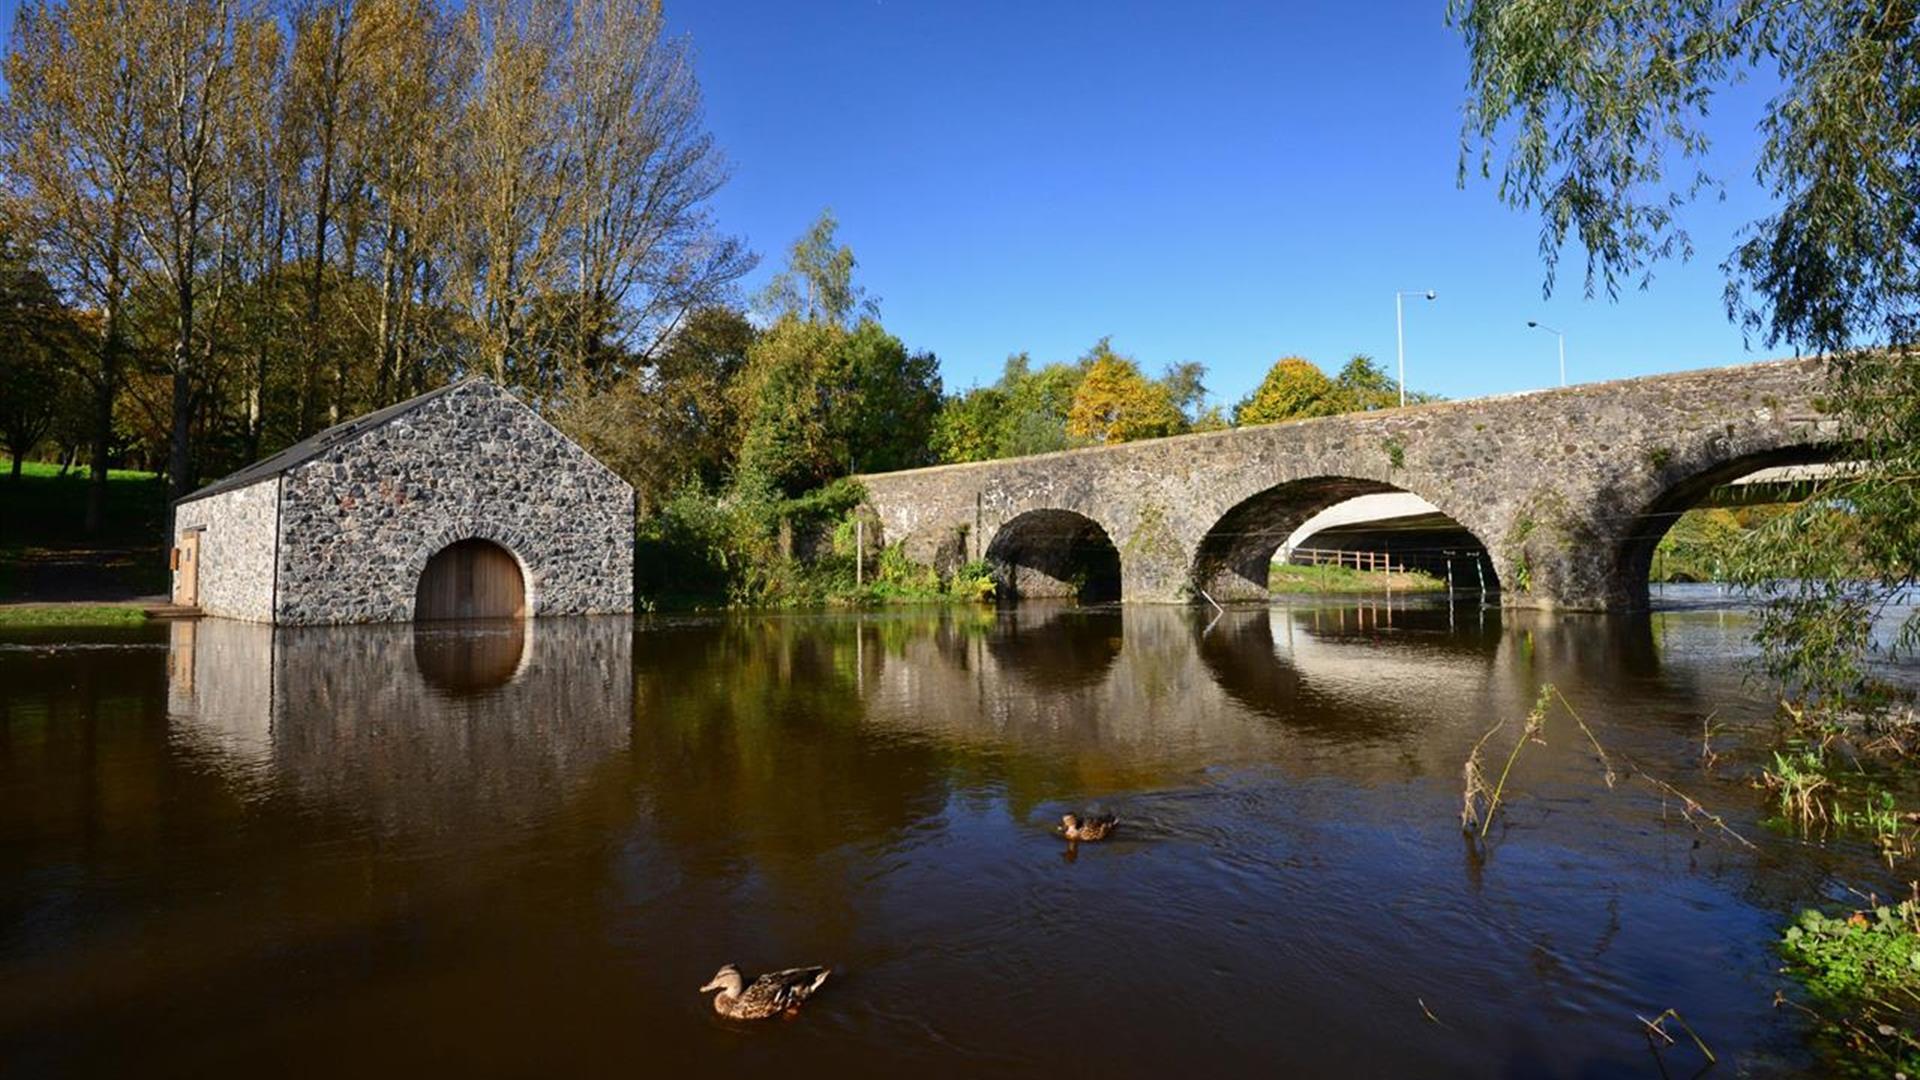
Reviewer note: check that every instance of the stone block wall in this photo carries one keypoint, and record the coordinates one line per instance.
(1567, 489)
(360, 521)
(238, 530)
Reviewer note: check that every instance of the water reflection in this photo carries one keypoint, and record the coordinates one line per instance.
(472, 657)
(379, 850)
(416, 727)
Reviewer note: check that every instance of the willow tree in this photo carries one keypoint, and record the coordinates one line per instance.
(1594, 117)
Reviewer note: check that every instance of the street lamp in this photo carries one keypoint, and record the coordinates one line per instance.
(1563, 346)
(1400, 333)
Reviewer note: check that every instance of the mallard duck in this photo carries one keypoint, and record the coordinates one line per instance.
(770, 995)
(1073, 827)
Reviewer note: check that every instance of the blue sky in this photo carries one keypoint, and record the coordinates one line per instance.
(1202, 181)
(1227, 183)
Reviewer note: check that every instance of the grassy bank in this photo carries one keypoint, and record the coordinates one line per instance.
(34, 616)
(1288, 578)
(46, 553)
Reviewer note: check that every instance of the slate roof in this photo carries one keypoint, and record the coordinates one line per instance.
(313, 446)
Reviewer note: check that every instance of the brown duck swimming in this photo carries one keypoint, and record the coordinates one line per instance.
(1076, 828)
(773, 994)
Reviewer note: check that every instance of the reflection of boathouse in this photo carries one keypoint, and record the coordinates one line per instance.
(487, 718)
(459, 503)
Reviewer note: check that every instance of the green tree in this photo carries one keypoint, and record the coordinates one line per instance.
(817, 284)
(885, 421)
(674, 418)
(971, 426)
(1115, 403)
(37, 364)
(1367, 386)
(1293, 389)
(1038, 402)
(1593, 116)
(818, 401)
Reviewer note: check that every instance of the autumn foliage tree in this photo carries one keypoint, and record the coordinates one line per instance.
(1116, 403)
(1293, 388)
(281, 215)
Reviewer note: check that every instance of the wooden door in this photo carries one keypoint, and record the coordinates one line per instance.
(473, 579)
(186, 570)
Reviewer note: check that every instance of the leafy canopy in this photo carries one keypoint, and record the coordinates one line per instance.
(1116, 403)
(1294, 388)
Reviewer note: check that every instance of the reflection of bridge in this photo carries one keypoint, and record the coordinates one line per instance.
(1568, 490)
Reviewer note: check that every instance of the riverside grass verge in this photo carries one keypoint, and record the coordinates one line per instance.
(79, 616)
(1289, 578)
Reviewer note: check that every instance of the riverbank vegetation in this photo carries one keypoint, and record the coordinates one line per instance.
(45, 553)
(35, 616)
(1704, 544)
(1288, 578)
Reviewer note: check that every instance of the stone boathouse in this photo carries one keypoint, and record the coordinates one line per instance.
(459, 503)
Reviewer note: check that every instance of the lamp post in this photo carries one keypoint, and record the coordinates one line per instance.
(1563, 346)
(1400, 332)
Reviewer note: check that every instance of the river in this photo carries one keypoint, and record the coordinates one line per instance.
(513, 851)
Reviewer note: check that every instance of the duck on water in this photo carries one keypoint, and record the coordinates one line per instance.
(773, 994)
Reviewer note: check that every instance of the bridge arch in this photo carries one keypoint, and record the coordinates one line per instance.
(1055, 553)
(1682, 487)
(1234, 558)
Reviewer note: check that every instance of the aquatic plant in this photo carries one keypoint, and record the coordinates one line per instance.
(1480, 802)
(1797, 780)
(1657, 1036)
(1861, 971)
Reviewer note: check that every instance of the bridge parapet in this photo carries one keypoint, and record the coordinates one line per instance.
(1568, 489)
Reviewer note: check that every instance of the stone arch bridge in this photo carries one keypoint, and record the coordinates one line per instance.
(1568, 490)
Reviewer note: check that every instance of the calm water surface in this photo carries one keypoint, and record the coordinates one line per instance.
(226, 849)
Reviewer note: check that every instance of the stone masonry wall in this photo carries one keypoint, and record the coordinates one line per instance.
(1566, 488)
(360, 522)
(236, 549)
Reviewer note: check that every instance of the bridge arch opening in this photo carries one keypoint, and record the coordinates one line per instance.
(1055, 554)
(471, 579)
(1689, 532)
(1336, 521)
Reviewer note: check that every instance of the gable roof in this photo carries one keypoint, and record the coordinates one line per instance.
(314, 445)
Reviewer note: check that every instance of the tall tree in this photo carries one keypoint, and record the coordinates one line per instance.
(74, 131)
(187, 98)
(514, 181)
(1593, 116)
(641, 170)
(817, 284)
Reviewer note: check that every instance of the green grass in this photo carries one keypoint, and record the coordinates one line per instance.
(45, 552)
(17, 616)
(1288, 578)
(45, 508)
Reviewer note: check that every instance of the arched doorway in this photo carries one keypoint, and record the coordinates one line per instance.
(471, 579)
(1055, 553)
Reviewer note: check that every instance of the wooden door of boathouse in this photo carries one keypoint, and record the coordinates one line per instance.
(471, 579)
